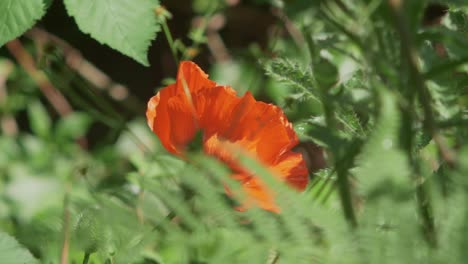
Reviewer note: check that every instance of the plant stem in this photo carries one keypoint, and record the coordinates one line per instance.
(341, 163)
(345, 9)
(416, 77)
(351, 35)
(410, 56)
(344, 189)
(66, 226)
(170, 40)
(86, 257)
(56, 99)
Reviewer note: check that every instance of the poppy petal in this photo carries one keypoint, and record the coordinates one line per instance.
(158, 118)
(292, 169)
(259, 195)
(192, 77)
(151, 110)
(229, 124)
(169, 129)
(263, 129)
(183, 125)
(214, 107)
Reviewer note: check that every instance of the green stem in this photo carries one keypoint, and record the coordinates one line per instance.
(344, 186)
(351, 35)
(409, 59)
(345, 9)
(66, 225)
(170, 41)
(345, 197)
(86, 257)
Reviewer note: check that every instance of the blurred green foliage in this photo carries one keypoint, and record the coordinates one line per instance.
(384, 94)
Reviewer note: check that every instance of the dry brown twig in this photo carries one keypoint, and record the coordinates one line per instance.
(7, 122)
(56, 99)
(78, 63)
(292, 29)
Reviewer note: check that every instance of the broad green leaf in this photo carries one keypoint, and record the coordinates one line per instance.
(17, 16)
(12, 252)
(125, 25)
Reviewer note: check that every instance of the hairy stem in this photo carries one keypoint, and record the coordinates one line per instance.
(410, 58)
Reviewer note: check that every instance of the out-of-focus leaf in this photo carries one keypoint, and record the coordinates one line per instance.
(30, 194)
(88, 232)
(10, 151)
(128, 26)
(12, 252)
(383, 166)
(73, 126)
(325, 72)
(48, 3)
(39, 119)
(320, 135)
(137, 138)
(240, 75)
(17, 16)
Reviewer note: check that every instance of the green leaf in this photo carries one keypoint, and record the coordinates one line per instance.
(12, 252)
(319, 134)
(89, 232)
(292, 74)
(125, 25)
(73, 126)
(325, 72)
(383, 166)
(32, 193)
(39, 119)
(48, 3)
(17, 16)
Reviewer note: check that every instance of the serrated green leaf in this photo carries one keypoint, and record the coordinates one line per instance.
(89, 232)
(12, 252)
(350, 122)
(292, 74)
(17, 16)
(127, 26)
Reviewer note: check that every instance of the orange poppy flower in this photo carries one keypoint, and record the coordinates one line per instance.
(226, 121)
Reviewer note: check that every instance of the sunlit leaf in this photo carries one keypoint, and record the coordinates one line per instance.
(12, 252)
(292, 74)
(17, 16)
(128, 26)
